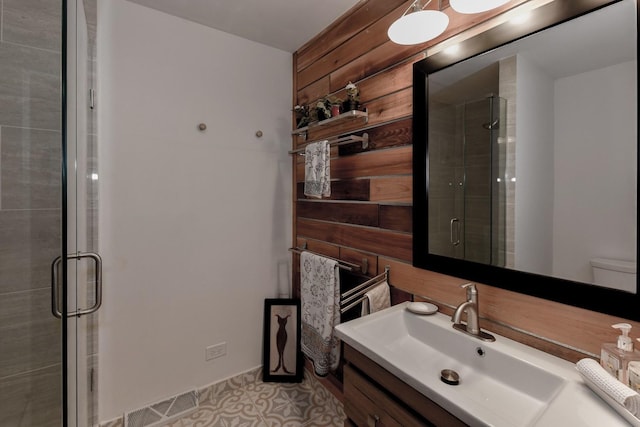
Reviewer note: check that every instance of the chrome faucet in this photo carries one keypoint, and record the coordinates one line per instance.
(470, 306)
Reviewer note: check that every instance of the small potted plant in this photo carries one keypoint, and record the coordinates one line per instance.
(323, 109)
(302, 116)
(353, 97)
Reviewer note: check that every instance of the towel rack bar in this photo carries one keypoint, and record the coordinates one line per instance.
(361, 292)
(353, 304)
(373, 280)
(349, 266)
(341, 141)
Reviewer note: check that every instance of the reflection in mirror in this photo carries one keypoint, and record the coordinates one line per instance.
(525, 154)
(467, 167)
(532, 153)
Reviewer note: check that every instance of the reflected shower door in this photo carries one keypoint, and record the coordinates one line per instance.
(484, 187)
(467, 197)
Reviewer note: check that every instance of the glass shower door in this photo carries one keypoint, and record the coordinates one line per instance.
(47, 200)
(83, 265)
(31, 229)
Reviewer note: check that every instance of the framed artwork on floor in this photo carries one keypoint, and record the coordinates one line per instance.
(282, 357)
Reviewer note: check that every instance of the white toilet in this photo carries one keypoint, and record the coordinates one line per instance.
(614, 273)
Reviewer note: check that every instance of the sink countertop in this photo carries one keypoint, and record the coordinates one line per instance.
(510, 385)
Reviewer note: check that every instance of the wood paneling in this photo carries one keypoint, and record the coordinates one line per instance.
(366, 40)
(373, 240)
(392, 189)
(335, 129)
(391, 107)
(343, 29)
(396, 161)
(392, 80)
(313, 92)
(319, 247)
(351, 213)
(354, 49)
(356, 257)
(396, 218)
(388, 135)
(351, 189)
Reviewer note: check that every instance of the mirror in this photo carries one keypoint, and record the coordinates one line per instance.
(525, 156)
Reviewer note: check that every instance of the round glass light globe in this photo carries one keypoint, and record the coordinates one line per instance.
(418, 27)
(475, 6)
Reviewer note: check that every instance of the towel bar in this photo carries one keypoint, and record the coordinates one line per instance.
(353, 304)
(341, 141)
(360, 291)
(369, 283)
(345, 265)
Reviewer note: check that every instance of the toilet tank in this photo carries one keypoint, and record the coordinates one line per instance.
(614, 273)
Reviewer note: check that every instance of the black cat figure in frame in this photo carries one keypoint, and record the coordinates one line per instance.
(283, 338)
(281, 343)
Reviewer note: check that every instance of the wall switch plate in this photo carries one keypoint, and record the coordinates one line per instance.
(215, 351)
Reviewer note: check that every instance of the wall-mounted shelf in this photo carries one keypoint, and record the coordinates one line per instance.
(349, 115)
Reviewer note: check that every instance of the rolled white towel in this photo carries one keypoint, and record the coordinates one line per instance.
(619, 392)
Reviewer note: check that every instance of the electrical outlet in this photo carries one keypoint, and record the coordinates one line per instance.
(215, 351)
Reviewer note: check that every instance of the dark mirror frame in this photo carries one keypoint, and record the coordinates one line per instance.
(591, 297)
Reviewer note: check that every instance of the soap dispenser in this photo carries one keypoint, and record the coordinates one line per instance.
(615, 358)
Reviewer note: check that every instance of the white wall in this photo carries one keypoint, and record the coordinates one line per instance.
(534, 169)
(192, 225)
(598, 149)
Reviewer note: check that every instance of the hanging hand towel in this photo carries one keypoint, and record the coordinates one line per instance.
(376, 299)
(320, 295)
(317, 175)
(620, 393)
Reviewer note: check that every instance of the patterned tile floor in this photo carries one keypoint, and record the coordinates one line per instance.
(260, 404)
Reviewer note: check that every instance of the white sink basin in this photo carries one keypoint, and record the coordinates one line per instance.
(502, 383)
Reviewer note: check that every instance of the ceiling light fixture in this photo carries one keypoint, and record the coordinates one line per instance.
(417, 25)
(475, 6)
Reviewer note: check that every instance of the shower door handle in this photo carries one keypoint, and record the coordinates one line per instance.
(55, 267)
(454, 225)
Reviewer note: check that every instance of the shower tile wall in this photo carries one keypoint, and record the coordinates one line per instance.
(30, 116)
(445, 193)
(477, 188)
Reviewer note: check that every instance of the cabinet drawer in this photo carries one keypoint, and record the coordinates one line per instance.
(368, 406)
(373, 380)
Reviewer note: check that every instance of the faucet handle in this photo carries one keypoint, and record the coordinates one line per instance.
(472, 291)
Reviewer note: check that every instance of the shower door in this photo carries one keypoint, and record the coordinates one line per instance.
(82, 264)
(46, 203)
(467, 197)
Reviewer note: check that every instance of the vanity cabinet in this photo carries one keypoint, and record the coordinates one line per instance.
(374, 397)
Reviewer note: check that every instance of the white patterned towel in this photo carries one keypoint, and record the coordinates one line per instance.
(317, 166)
(320, 295)
(619, 392)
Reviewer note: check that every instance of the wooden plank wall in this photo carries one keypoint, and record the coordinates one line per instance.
(369, 212)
